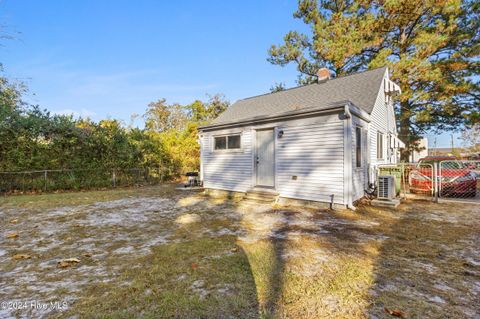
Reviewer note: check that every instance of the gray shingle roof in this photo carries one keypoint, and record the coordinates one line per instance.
(361, 89)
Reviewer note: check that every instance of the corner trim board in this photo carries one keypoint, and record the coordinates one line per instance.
(348, 174)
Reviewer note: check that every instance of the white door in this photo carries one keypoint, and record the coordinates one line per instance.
(265, 158)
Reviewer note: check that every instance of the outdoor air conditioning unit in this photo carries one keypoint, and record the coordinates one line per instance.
(386, 187)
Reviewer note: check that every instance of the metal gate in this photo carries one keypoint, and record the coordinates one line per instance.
(447, 180)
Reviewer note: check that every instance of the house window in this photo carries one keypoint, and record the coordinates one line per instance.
(220, 142)
(358, 146)
(379, 145)
(233, 141)
(228, 142)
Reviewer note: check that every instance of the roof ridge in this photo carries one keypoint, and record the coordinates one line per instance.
(305, 85)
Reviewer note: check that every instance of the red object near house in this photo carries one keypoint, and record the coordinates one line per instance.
(454, 178)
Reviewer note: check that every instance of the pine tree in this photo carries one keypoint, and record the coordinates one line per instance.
(431, 48)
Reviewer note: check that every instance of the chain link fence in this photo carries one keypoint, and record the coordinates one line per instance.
(76, 179)
(436, 179)
(459, 179)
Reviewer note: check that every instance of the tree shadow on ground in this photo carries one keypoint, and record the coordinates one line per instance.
(259, 262)
(420, 260)
(312, 261)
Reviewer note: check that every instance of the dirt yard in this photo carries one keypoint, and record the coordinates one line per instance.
(160, 253)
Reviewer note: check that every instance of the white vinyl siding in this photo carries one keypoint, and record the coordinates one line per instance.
(310, 160)
(382, 120)
(227, 170)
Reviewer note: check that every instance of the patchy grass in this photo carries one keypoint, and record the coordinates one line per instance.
(159, 253)
(81, 198)
(179, 281)
(430, 267)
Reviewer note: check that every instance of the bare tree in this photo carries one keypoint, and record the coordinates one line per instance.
(471, 138)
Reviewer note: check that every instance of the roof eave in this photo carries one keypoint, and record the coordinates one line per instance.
(360, 113)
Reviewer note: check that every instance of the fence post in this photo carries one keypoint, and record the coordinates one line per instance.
(45, 177)
(435, 182)
(114, 178)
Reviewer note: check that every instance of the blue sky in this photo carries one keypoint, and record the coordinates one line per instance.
(110, 58)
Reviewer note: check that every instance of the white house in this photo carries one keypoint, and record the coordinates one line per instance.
(423, 152)
(318, 142)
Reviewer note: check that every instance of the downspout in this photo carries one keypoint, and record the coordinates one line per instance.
(347, 166)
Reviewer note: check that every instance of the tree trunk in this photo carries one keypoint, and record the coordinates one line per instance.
(405, 132)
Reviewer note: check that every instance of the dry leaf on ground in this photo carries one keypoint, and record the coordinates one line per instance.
(64, 263)
(21, 256)
(395, 313)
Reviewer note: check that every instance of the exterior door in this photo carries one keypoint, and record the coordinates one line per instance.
(265, 158)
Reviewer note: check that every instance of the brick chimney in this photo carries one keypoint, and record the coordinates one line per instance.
(323, 75)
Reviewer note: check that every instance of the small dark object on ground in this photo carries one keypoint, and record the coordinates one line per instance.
(371, 192)
(193, 179)
(395, 313)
